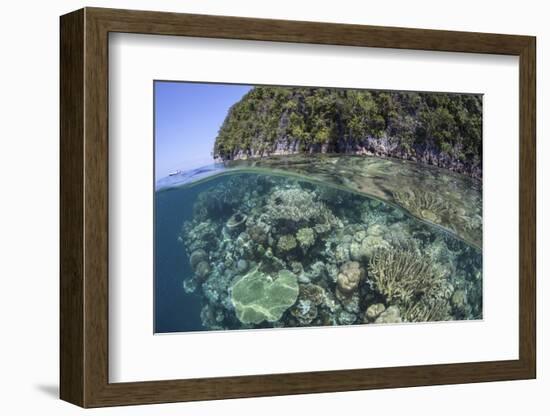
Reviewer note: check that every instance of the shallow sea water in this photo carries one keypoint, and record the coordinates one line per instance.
(248, 223)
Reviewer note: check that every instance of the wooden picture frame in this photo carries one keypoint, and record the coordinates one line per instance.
(84, 207)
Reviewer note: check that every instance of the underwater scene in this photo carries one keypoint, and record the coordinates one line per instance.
(289, 230)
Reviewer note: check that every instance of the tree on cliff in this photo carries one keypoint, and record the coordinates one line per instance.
(437, 128)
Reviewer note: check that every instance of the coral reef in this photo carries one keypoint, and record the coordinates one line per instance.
(427, 309)
(452, 201)
(266, 251)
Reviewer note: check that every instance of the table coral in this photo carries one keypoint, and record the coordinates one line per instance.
(258, 297)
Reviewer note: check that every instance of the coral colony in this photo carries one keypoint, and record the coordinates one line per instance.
(269, 251)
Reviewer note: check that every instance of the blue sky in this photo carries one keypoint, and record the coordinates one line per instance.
(187, 119)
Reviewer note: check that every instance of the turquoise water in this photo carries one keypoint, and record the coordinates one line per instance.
(260, 250)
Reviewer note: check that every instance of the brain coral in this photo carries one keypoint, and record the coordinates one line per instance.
(257, 297)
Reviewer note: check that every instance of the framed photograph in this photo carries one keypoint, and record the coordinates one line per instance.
(260, 207)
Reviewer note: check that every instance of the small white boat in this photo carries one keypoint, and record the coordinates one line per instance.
(174, 173)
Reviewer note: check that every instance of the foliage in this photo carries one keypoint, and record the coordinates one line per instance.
(338, 120)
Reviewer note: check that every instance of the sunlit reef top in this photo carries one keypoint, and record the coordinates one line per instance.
(438, 196)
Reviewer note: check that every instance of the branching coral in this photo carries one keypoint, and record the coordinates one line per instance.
(427, 309)
(426, 205)
(402, 275)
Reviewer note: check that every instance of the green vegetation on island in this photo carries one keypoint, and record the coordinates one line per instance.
(440, 129)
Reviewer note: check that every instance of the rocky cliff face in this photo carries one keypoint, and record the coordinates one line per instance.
(437, 129)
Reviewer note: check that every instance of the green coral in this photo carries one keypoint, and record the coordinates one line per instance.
(305, 237)
(257, 297)
(286, 243)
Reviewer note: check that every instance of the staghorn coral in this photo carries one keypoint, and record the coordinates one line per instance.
(258, 297)
(426, 205)
(401, 275)
(427, 309)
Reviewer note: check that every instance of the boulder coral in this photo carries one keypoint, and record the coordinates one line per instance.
(374, 311)
(202, 270)
(196, 257)
(349, 276)
(391, 315)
